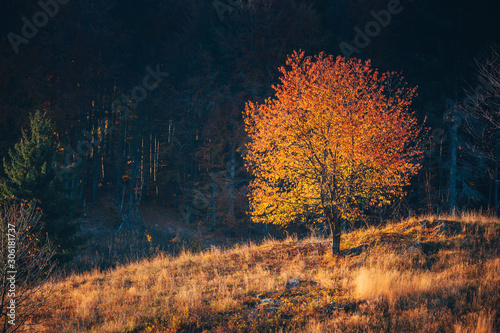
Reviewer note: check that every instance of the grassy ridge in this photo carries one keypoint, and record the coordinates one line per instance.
(424, 274)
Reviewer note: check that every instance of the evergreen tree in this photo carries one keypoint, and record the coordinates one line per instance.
(30, 176)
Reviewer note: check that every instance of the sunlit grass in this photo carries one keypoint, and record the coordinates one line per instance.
(409, 277)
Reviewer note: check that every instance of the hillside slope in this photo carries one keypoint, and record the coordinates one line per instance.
(420, 275)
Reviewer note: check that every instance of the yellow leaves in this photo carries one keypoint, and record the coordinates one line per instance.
(334, 133)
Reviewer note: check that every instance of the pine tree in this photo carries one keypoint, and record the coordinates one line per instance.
(30, 176)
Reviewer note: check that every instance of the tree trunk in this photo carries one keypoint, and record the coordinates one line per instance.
(453, 161)
(334, 222)
(232, 173)
(214, 205)
(336, 239)
(119, 161)
(497, 182)
(496, 178)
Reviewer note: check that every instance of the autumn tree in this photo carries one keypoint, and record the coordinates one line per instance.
(337, 135)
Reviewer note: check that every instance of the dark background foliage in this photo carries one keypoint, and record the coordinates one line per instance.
(181, 146)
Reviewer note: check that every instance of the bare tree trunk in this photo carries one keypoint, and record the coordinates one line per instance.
(452, 192)
(155, 162)
(497, 181)
(95, 173)
(232, 173)
(119, 160)
(214, 205)
(334, 222)
(496, 177)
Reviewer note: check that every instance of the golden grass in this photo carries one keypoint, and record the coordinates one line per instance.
(448, 281)
(462, 217)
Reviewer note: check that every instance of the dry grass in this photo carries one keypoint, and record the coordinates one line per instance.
(411, 276)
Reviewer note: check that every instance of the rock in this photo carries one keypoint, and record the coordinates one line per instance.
(270, 310)
(425, 224)
(349, 306)
(271, 301)
(293, 283)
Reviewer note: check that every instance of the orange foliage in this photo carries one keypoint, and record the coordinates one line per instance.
(337, 134)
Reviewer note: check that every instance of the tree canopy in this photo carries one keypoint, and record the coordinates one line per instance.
(337, 135)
